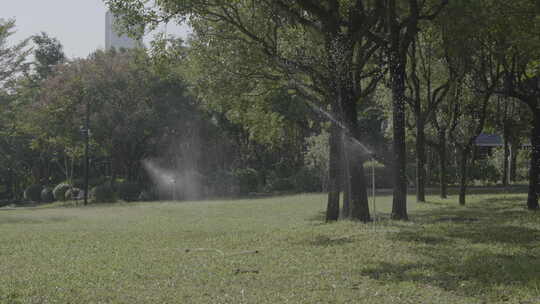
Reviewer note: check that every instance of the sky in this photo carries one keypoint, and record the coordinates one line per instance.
(78, 24)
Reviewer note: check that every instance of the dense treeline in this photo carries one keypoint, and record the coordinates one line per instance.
(289, 96)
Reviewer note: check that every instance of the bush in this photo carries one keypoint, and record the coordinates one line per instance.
(148, 195)
(59, 192)
(383, 175)
(103, 194)
(128, 191)
(47, 195)
(72, 193)
(33, 193)
(222, 183)
(247, 180)
(484, 171)
(279, 184)
(307, 180)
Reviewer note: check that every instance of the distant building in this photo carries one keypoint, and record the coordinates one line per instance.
(115, 40)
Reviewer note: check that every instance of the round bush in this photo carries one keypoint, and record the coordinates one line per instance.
(47, 195)
(72, 193)
(128, 191)
(59, 192)
(33, 193)
(103, 194)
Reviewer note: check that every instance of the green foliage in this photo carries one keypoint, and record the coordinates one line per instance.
(223, 183)
(247, 179)
(72, 193)
(103, 194)
(47, 195)
(12, 57)
(128, 191)
(33, 193)
(307, 180)
(317, 155)
(148, 195)
(486, 170)
(383, 174)
(47, 54)
(59, 191)
(276, 183)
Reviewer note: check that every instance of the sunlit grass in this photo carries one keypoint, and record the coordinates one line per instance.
(272, 250)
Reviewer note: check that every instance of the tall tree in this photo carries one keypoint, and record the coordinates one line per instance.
(321, 50)
(402, 26)
(428, 82)
(47, 54)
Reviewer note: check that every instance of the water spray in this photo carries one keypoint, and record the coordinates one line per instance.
(365, 151)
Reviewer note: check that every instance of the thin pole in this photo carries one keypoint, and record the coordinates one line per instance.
(509, 160)
(373, 188)
(86, 151)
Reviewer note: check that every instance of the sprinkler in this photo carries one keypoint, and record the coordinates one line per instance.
(173, 188)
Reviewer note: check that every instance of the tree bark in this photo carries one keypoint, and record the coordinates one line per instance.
(334, 178)
(359, 207)
(442, 164)
(506, 155)
(399, 203)
(346, 211)
(463, 175)
(513, 161)
(534, 170)
(420, 162)
(359, 202)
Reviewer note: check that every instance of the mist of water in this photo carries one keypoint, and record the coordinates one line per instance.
(174, 183)
(352, 144)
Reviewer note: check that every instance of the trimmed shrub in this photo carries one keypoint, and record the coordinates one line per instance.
(72, 193)
(103, 194)
(59, 192)
(33, 193)
(128, 191)
(47, 195)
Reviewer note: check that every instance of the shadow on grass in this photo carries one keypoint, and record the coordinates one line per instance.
(472, 251)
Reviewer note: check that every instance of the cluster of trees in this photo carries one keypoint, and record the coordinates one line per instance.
(296, 94)
(138, 107)
(436, 67)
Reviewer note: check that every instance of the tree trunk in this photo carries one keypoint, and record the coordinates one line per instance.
(399, 204)
(506, 155)
(359, 201)
(442, 164)
(353, 149)
(334, 180)
(420, 163)
(534, 170)
(513, 161)
(346, 174)
(463, 175)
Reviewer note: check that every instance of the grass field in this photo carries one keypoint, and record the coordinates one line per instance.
(271, 250)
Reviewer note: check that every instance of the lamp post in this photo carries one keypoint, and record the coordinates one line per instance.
(86, 151)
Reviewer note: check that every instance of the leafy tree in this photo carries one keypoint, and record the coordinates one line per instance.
(47, 54)
(321, 51)
(12, 58)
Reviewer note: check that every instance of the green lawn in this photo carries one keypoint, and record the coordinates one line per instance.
(204, 252)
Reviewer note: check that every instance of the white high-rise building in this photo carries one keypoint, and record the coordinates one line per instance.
(115, 40)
